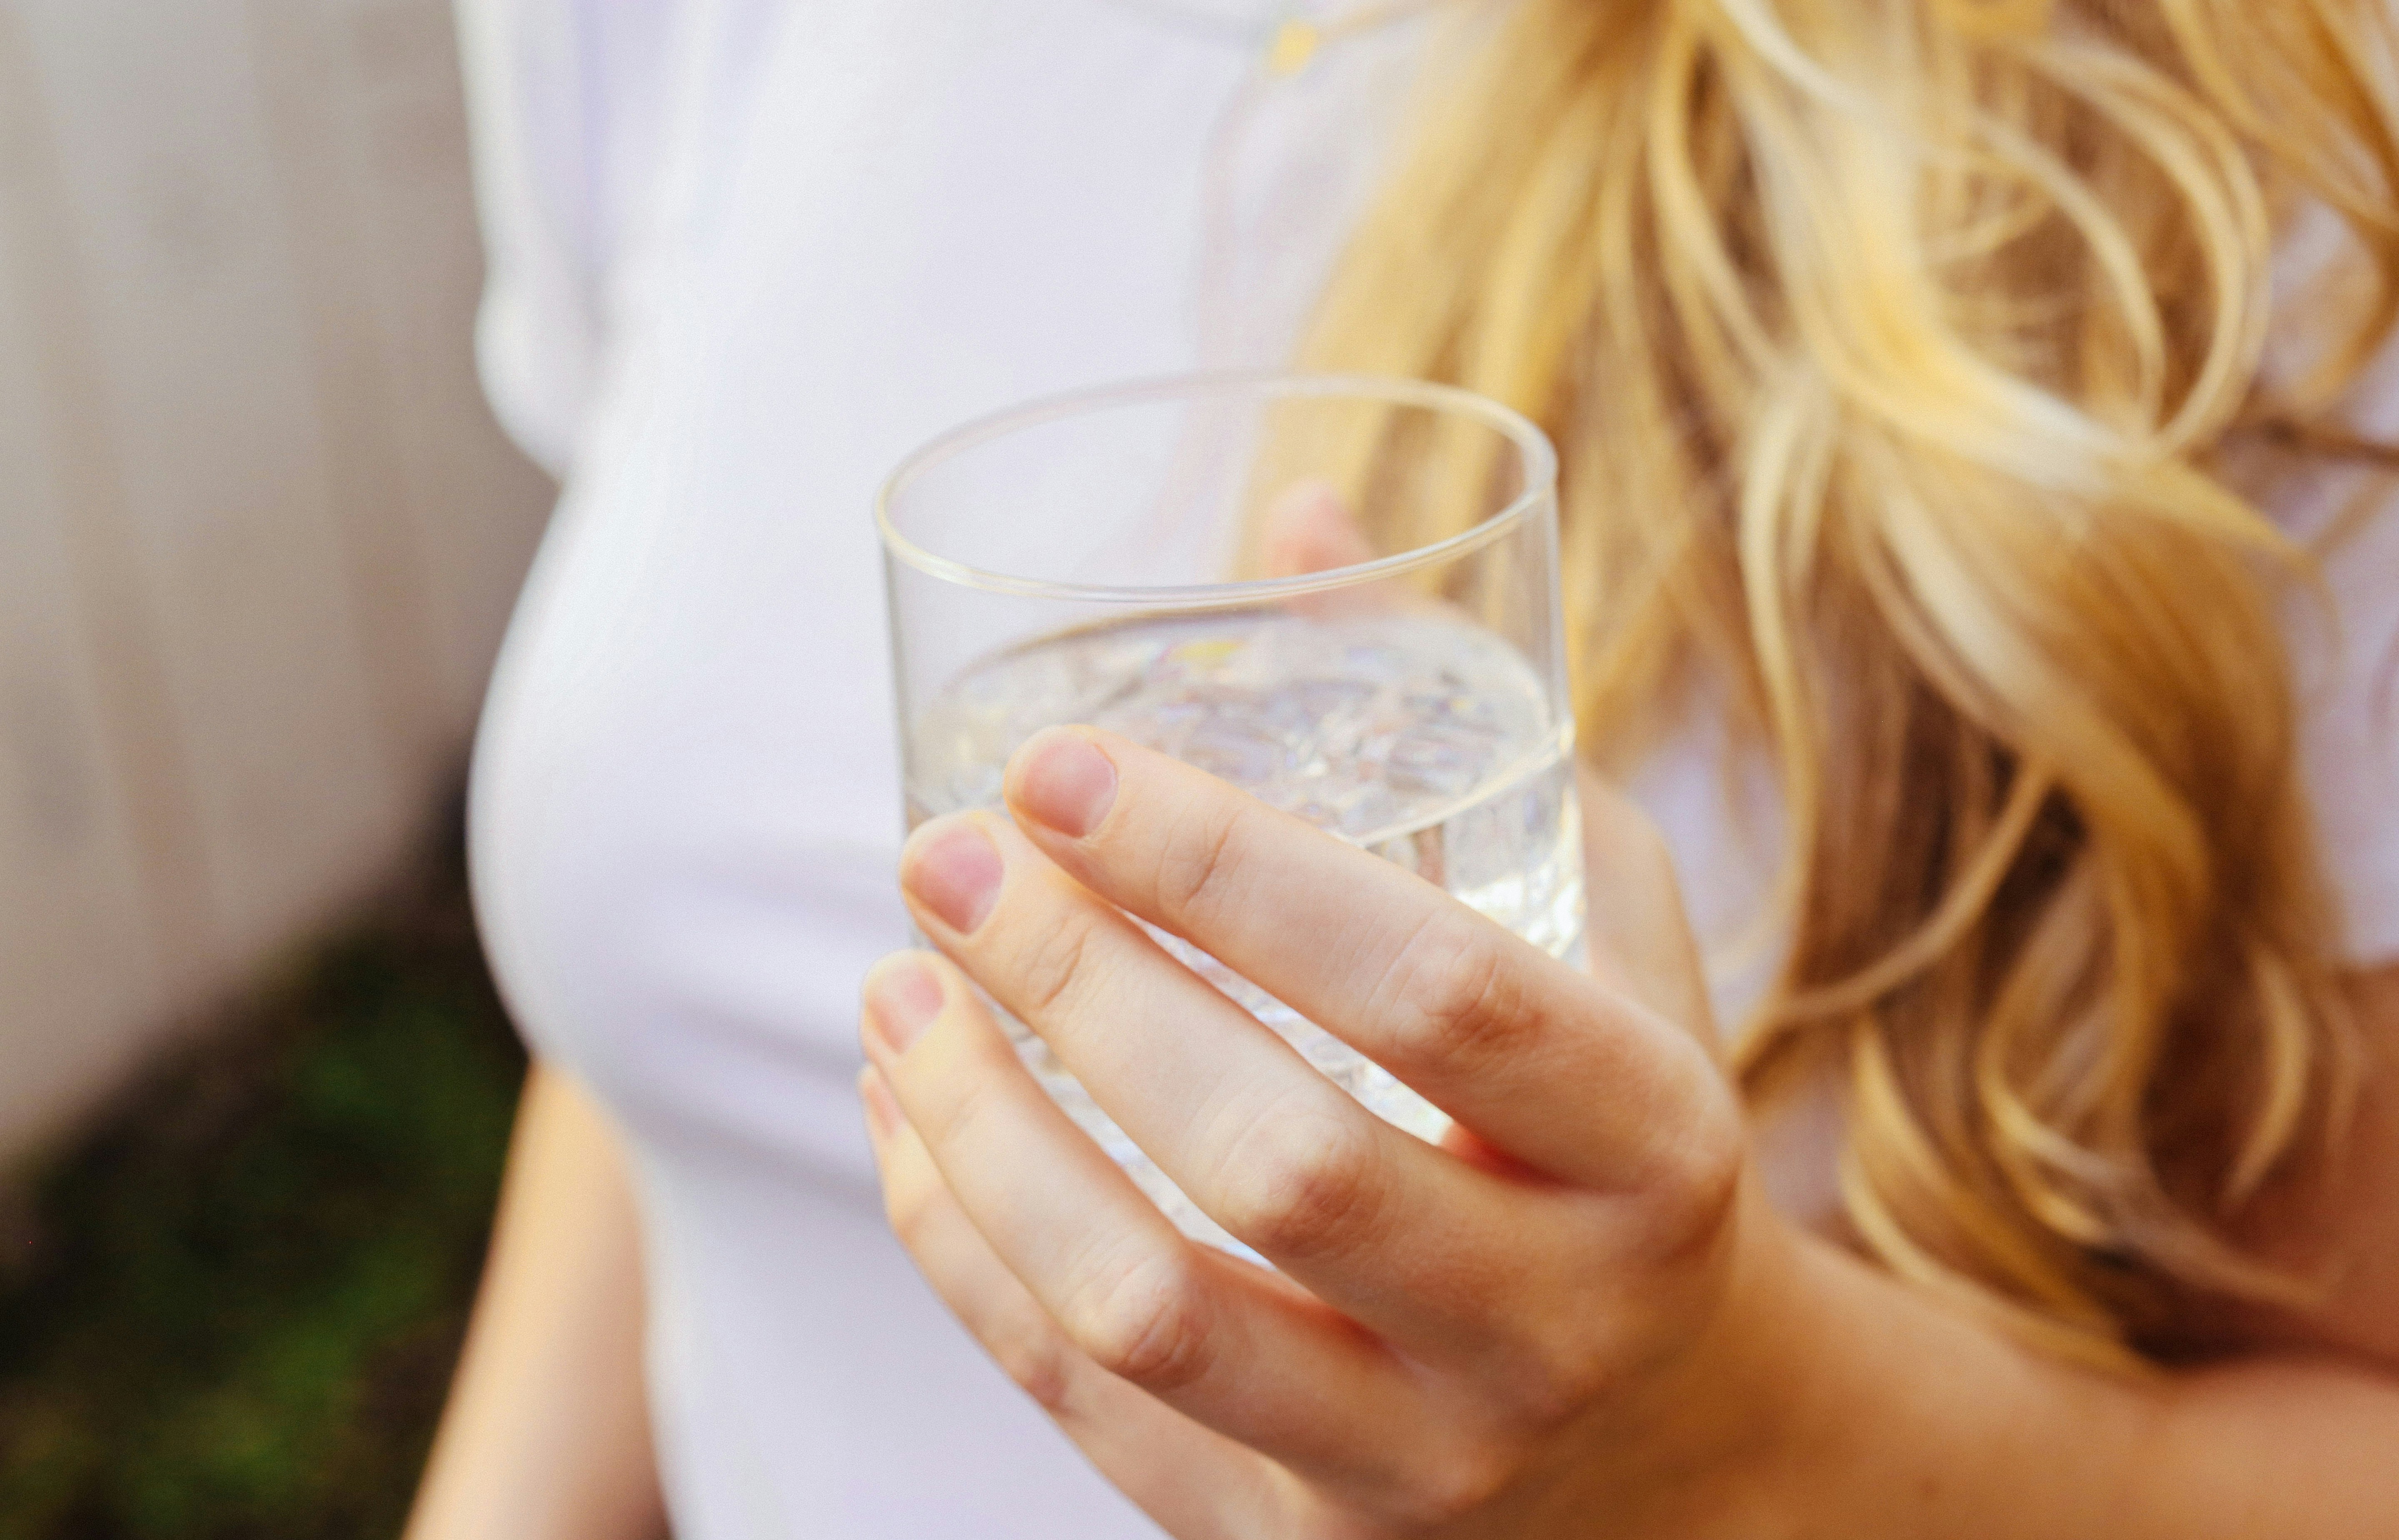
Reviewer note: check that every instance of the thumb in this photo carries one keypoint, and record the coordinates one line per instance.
(1640, 937)
(1310, 528)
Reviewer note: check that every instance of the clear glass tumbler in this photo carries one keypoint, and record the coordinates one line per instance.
(1152, 558)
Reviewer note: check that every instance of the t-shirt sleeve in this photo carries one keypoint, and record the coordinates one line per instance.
(597, 130)
(577, 112)
(2346, 659)
(538, 333)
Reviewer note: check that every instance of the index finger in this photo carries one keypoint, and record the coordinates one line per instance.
(1563, 1073)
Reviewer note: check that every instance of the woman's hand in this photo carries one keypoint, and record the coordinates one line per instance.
(1567, 1314)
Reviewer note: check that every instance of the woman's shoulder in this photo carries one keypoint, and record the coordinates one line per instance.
(589, 125)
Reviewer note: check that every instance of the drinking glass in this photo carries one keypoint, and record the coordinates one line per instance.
(1135, 556)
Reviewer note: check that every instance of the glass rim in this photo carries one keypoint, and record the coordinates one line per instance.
(1538, 458)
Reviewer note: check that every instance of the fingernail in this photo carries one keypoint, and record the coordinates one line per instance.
(903, 997)
(1063, 781)
(952, 869)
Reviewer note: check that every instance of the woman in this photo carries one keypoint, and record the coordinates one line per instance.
(1951, 396)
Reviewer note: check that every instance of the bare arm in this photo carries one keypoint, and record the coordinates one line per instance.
(546, 1433)
(1582, 1317)
(2299, 1437)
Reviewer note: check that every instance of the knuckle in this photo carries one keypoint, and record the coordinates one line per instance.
(1465, 1476)
(1055, 963)
(1574, 1370)
(1200, 860)
(1143, 1322)
(1040, 1363)
(1701, 1183)
(1455, 998)
(1691, 1182)
(948, 1110)
(908, 1207)
(1302, 1184)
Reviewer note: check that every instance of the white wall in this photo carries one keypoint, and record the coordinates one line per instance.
(258, 535)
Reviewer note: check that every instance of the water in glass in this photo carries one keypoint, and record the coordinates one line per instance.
(1412, 733)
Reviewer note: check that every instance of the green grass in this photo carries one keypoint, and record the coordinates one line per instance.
(233, 1305)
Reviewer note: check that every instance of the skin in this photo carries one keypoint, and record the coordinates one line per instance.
(546, 1433)
(1577, 1316)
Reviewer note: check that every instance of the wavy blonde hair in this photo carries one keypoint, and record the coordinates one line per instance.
(1896, 350)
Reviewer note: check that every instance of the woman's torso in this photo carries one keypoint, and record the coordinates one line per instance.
(792, 241)
(822, 233)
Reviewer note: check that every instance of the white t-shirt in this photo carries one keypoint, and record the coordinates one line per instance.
(745, 254)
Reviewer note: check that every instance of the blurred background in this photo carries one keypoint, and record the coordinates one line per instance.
(258, 541)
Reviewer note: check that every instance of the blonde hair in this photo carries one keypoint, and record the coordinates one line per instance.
(1893, 348)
